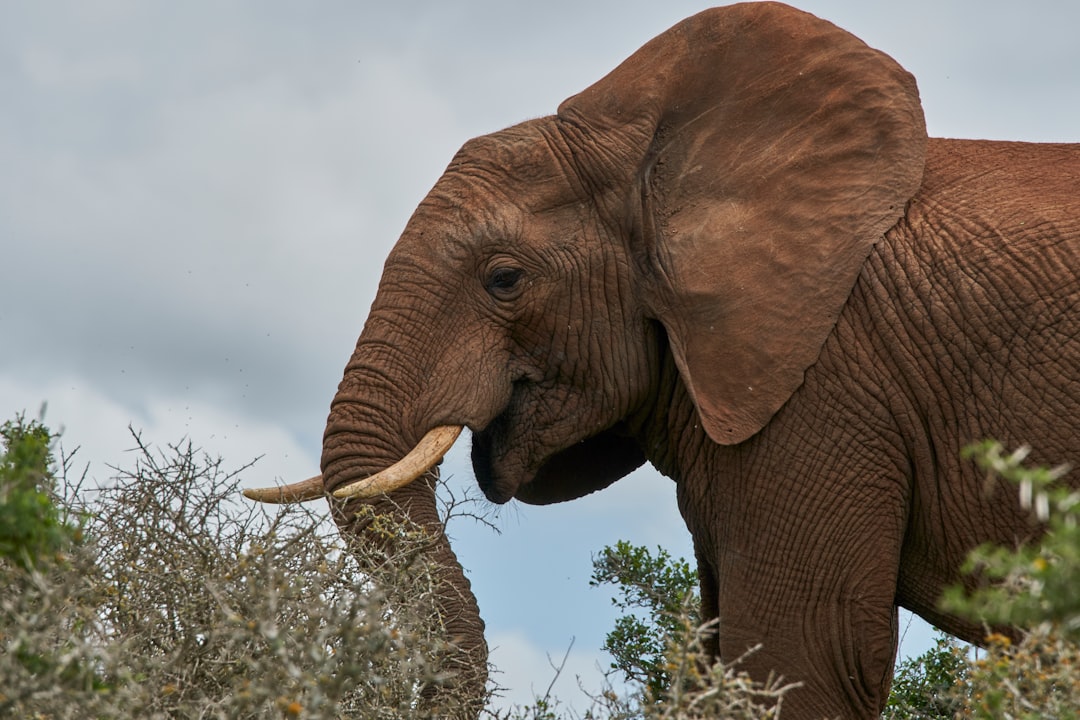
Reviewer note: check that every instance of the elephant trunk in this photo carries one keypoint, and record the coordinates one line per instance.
(362, 438)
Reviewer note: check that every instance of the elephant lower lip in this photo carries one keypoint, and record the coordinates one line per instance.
(495, 487)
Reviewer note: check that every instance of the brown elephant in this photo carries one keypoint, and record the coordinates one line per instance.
(739, 258)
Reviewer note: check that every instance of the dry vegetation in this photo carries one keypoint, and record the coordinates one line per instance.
(174, 600)
(159, 594)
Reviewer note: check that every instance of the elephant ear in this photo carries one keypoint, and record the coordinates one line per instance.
(755, 154)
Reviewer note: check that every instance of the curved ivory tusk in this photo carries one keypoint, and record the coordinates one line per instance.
(422, 458)
(310, 489)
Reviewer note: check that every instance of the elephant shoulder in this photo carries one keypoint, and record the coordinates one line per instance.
(995, 199)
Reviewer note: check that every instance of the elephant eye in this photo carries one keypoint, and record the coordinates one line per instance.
(504, 283)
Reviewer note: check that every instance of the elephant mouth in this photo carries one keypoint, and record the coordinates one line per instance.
(498, 450)
(496, 486)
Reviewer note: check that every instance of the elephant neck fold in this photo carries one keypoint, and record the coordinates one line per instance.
(669, 428)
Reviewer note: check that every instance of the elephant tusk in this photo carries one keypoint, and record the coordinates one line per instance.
(422, 458)
(310, 489)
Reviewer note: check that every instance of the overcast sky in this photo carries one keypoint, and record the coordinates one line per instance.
(196, 199)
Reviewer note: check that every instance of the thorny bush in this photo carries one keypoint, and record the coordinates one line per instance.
(181, 601)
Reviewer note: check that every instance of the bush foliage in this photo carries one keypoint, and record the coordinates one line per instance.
(181, 602)
(1034, 589)
(32, 527)
(657, 596)
(158, 594)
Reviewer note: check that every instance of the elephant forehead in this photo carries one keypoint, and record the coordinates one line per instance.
(464, 216)
(522, 165)
(501, 191)
(459, 218)
(522, 152)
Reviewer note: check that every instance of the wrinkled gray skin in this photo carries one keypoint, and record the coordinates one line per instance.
(737, 257)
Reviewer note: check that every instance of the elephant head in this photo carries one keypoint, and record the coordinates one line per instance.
(697, 216)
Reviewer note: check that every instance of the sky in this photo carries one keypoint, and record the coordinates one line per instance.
(196, 200)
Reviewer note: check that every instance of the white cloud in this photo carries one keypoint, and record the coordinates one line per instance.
(98, 426)
(51, 69)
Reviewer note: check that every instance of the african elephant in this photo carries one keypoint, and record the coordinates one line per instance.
(737, 257)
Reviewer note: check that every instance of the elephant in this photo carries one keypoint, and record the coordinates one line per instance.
(737, 257)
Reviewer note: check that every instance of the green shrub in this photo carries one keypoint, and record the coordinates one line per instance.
(658, 597)
(1034, 587)
(1036, 582)
(658, 645)
(33, 528)
(922, 687)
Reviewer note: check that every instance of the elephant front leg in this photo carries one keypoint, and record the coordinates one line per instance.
(710, 598)
(835, 637)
